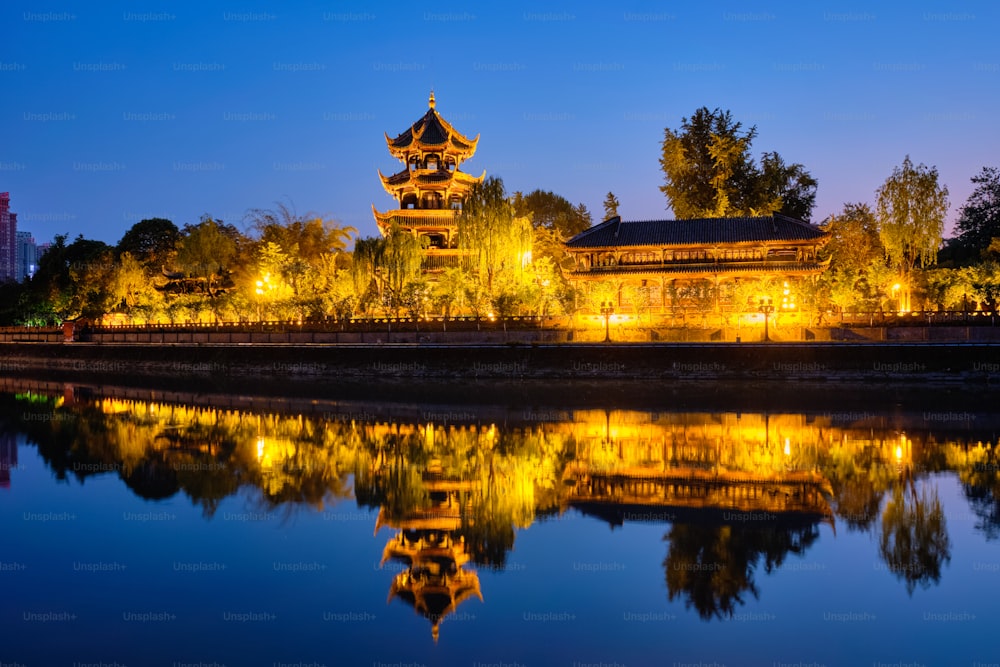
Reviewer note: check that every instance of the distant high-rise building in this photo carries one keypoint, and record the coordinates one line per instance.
(8, 239)
(27, 256)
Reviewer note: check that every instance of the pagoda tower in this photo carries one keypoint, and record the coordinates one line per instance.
(430, 190)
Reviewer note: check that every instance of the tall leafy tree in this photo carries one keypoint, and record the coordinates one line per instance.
(791, 183)
(207, 250)
(709, 172)
(497, 240)
(548, 210)
(854, 238)
(401, 258)
(151, 241)
(610, 206)
(306, 236)
(910, 211)
(978, 225)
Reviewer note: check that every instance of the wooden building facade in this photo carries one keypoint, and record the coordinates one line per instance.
(678, 261)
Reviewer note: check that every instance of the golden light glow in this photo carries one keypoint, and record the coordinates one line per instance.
(787, 298)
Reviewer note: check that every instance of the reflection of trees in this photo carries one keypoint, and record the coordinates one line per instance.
(914, 541)
(859, 474)
(978, 469)
(713, 567)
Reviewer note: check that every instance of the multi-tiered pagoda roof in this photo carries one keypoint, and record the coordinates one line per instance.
(431, 189)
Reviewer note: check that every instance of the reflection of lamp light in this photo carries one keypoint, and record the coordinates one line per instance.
(899, 453)
(788, 447)
(260, 448)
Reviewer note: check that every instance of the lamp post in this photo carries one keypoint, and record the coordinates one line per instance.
(607, 309)
(767, 308)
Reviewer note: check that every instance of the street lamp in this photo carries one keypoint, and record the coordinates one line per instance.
(767, 308)
(607, 309)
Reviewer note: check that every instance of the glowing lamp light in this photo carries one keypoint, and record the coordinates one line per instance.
(788, 447)
(899, 453)
(260, 448)
(787, 298)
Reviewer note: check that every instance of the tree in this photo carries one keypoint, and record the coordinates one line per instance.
(978, 223)
(795, 186)
(367, 262)
(207, 249)
(854, 238)
(709, 172)
(548, 210)
(307, 236)
(910, 212)
(497, 240)
(150, 241)
(610, 206)
(129, 281)
(401, 258)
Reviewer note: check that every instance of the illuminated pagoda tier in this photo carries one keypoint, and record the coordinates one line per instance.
(668, 256)
(429, 544)
(430, 190)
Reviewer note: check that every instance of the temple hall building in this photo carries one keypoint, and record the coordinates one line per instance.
(430, 189)
(680, 261)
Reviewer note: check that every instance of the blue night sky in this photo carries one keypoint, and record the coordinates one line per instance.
(113, 112)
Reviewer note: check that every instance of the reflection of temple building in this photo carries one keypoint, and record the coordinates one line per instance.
(671, 258)
(430, 190)
(8, 458)
(429, 544)
(646, 494)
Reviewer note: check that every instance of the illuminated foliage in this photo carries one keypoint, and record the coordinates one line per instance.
(910, 211)
(710, 173)
(497, 242)
(978, 225)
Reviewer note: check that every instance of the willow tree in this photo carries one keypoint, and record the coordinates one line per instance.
(366, 265)
(910, 211)
(207, 250)
(496, 242)
(401, 257)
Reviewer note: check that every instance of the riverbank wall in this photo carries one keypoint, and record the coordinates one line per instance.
(815, 361)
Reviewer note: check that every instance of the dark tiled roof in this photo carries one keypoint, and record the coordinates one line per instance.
(702, 231)
(420, 177)
(433, 131)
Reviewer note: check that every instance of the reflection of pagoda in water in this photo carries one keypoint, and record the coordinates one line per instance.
(429, 543)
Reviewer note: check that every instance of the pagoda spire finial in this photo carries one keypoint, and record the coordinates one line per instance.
(431, 101)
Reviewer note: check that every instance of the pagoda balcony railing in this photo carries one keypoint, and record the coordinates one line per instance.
(706, 266)
(442, 259)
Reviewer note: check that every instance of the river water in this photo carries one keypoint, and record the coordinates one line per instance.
(146, 527)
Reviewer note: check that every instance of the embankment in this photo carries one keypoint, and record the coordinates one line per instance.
(811, 362)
